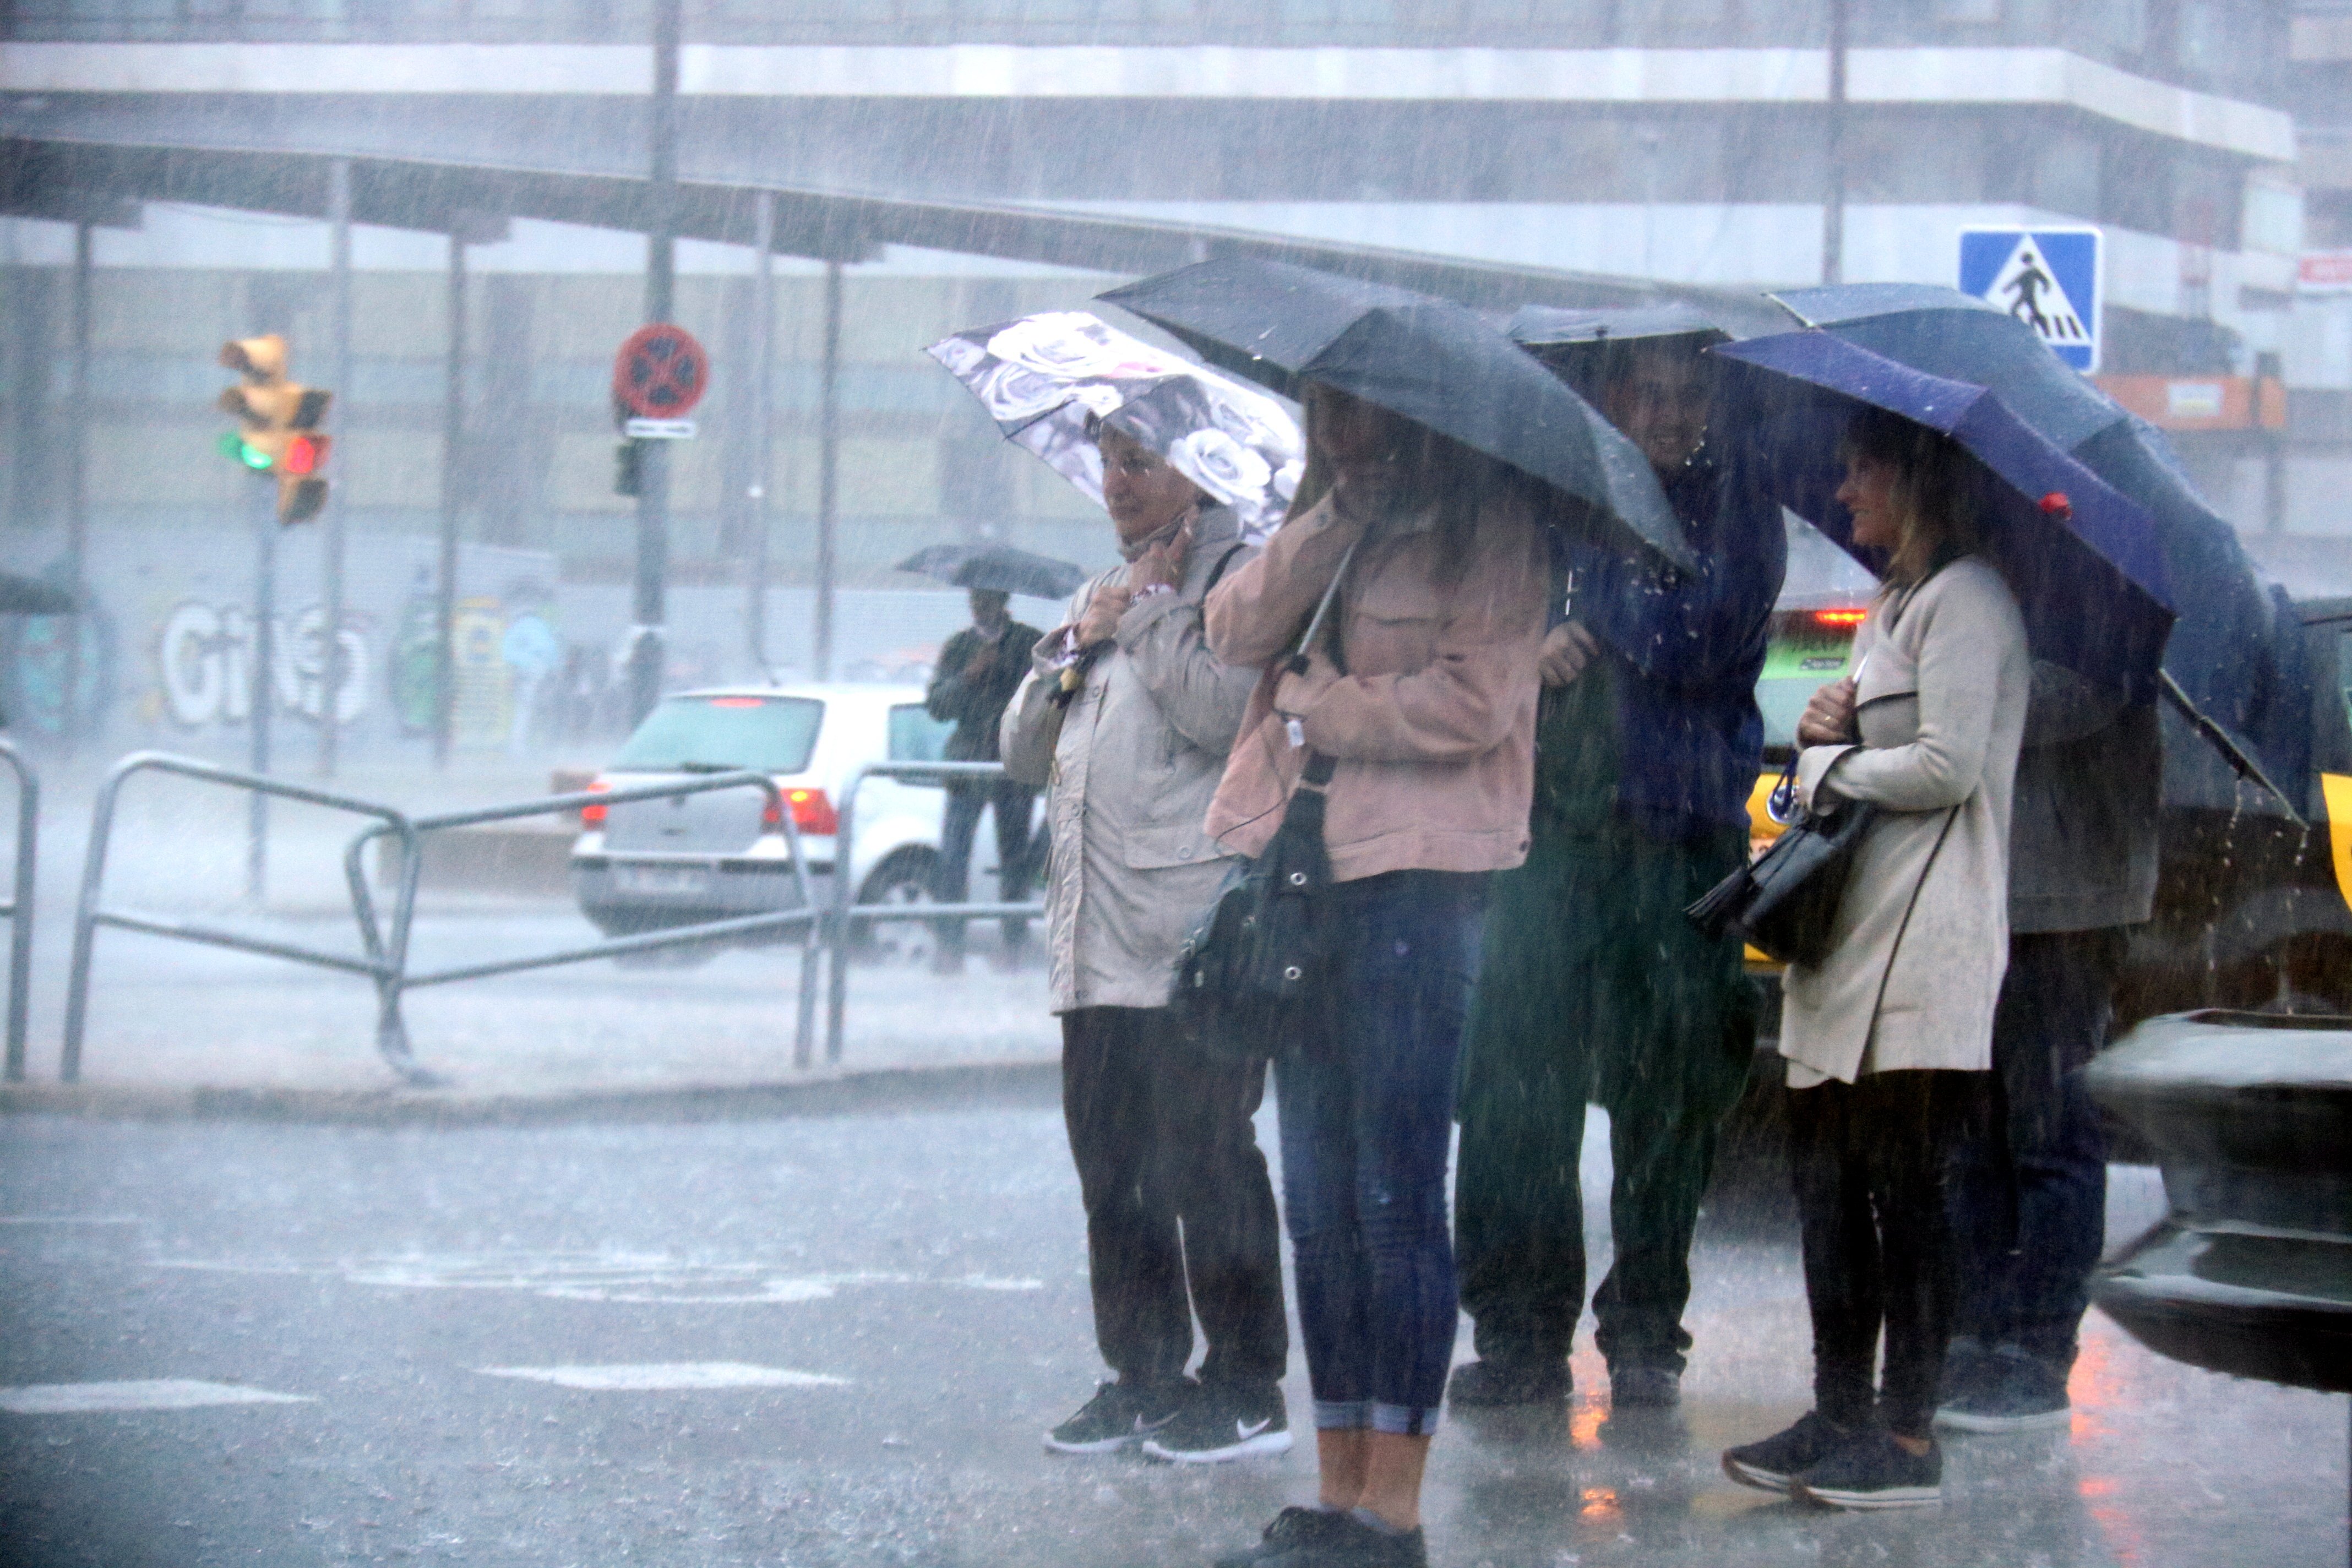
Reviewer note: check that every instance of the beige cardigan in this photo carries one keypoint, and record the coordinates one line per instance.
(1433, 726)
(1941, 700)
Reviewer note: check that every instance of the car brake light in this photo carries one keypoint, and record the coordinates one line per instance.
(738, 701)
(812, 811)
(1840, 617)
(593, 816)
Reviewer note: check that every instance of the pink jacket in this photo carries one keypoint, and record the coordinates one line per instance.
(1433, 727)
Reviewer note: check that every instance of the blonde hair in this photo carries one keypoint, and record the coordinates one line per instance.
(1934, 491)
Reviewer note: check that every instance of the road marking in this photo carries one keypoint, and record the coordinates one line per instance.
(138, 1393)
(634, 1278)
(647, 1376)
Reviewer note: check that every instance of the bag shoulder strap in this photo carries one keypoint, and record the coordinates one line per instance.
(1918, 888)
(1223, 560)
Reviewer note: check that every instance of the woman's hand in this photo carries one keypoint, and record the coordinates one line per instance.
(1566, 652)
(1828, 719)
(1162, 565)
(1101, 620)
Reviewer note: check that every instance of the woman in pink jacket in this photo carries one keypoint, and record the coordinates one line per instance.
(1420, 701)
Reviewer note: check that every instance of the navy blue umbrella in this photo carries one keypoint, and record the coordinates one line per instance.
(2082, 558)
(1431, 361)
(2238, 645)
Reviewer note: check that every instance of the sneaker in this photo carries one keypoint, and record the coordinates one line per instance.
(1293, 1530)
(2013, 1392)
(1494, 1384)
(1119, 1416)
(1317, 1538)
(1964, 1368)
(1224, 1422)
(1644, 1387)
(1874, 1470)
(1774, 1464)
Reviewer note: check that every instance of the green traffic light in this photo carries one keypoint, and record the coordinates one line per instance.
(232, 445)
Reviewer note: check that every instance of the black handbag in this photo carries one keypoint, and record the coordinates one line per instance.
(1784, 903)
(1251, 963)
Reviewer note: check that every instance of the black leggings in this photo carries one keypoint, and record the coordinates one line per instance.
(1867, 1159)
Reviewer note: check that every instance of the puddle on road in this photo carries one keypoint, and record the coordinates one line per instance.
(604, 1277)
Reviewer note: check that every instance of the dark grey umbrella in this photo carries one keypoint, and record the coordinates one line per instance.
(1431, 361)
(1550, 326)
(997, 566)
(31, 597)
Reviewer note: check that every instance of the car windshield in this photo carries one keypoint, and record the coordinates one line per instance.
(771, 734)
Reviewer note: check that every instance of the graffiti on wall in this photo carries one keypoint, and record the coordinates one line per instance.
(205, 653)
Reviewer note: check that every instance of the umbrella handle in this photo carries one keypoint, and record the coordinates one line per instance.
(1296, 663)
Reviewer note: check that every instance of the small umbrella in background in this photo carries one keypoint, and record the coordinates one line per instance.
(31, 597)
(2234, 642)
(1043, 376)
(1433, 362)
(2083, 559)
(997, 566)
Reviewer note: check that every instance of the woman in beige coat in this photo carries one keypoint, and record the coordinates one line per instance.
(1890, 1036)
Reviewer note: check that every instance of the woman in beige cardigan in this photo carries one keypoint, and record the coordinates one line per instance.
(1889, 1038)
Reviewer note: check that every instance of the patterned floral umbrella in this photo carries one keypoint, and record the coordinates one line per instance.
(1045, 378)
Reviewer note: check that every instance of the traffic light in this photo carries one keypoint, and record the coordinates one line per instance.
(278, 422)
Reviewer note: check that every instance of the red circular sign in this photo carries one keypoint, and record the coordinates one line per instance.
(660, 372)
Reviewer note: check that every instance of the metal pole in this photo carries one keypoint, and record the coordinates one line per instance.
(836, 968)
(1833, 207)
(645, 651)
(264, 647)
(828, 471)
(453, 440)
(76, 483)
(339, 359)
(763, 371)
(20, 911)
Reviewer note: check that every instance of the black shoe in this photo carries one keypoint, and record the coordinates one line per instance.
(1119, 1416)
(2013, 1391)
(1323, 1540)
(1496, 1384)
(1874, 1470)
(1644, 1387)
(1292, 1530)
(1964, 1369)
(1774, 1464)
(1220, 1422)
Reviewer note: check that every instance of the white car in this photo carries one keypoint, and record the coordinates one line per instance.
(659, 864)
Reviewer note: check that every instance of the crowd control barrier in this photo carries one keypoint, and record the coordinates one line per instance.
(847, 913)
(18, 910)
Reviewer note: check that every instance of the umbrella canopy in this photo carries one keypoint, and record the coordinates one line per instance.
(1431, 361)
(997, 566)
(1043, 376)
(1549, 326)
(31, 597)
(2082, 558)
(2234, 646)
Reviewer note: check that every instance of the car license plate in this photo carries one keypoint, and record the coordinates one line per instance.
(660, 879)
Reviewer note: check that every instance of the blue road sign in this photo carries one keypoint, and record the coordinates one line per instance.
(2047, 277)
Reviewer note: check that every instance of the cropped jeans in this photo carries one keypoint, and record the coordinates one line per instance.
(1366, 1097)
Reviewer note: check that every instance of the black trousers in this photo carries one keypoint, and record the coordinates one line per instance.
(1868, 1161)
(1180, 1212)
(1011, 805)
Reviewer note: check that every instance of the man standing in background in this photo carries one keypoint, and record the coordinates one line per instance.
(977, 674)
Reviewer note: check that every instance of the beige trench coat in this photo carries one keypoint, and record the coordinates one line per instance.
(1131, 765)
(1941, 700)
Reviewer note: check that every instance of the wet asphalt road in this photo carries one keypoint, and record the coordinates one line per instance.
(912, 1285)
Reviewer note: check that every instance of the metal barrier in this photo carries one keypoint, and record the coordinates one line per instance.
(88, 916)
(847, 912)
(18, 910)
(391, 948)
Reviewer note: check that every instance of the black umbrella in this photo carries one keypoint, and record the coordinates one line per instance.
(1542, 327)
(997, 566)
(31, 597)
(1431, 361)
(2233, 644)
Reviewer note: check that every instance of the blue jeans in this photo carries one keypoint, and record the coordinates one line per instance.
(2028, 1187)
(1367, 1106)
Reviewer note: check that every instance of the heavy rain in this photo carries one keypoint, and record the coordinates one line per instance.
(1336, 784)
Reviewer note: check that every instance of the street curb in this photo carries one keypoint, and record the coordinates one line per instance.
(1020, 1083)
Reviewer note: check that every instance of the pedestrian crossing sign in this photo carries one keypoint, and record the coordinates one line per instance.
(2046, 277)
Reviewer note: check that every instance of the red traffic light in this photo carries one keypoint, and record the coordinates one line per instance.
(303, 455)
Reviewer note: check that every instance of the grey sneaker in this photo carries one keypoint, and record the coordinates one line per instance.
(1224, 1422)
(1119, 1416)
(1294, 1529)
(1644, 1387)
(1774, 1464)
(2013, 1391)
(1496, 1384)
(1873, 1471)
